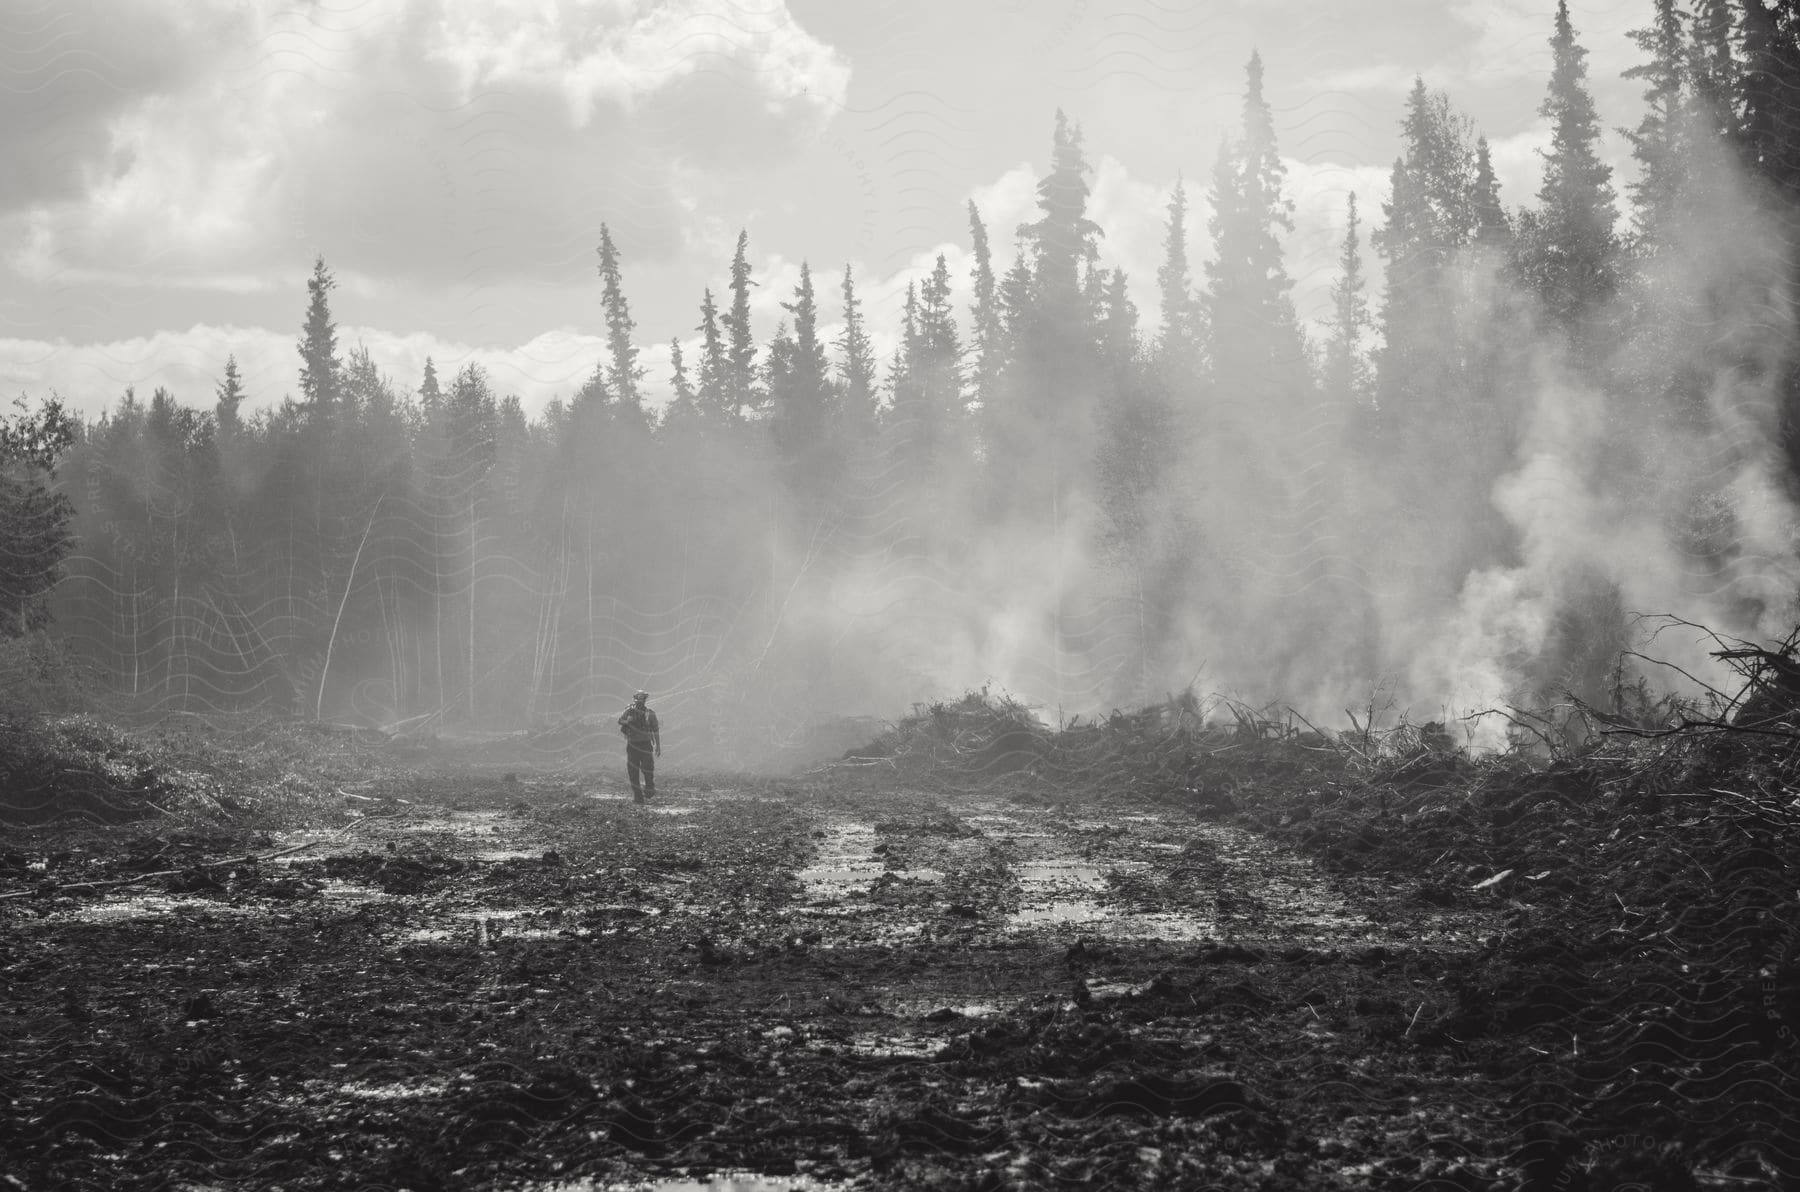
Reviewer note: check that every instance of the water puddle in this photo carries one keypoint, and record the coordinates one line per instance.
(1056, 914)
(888, 1046)
(723, 1181)
(717, 1182)
(487, 925)
(397, 1091)
(948, 1008)
(1036, 877)
(845, 863)
(916, 875)
(147, 906)
(1089, 916)
(350, 893)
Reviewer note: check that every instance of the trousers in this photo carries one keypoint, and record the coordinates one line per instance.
(640, 767)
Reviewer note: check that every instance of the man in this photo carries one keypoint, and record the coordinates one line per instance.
(643, 745)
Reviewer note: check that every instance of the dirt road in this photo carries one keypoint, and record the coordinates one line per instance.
(529, 983)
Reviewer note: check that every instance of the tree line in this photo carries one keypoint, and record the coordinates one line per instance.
(1038, 480)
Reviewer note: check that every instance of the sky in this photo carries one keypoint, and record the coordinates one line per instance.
(174, 167)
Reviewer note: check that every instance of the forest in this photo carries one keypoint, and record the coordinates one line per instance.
(1009, 835)
(1562, 413)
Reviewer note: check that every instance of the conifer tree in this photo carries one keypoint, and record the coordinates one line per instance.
(622, 371)
(1255, 344)
(803, 411)
(1178, 340)
(319, 368)
(1568, 247)
(941, 353)
(1431, 216)
(230, 395)
(741, 395)
(714, 390)
(1118, 327)
(984, 315)
(430, 394)
(1346, 369)
(810, 367)
(1714, 68)
(684, 408)
(1062, 238)
(1660, 142)
(857, 369)
(1492, 228)
(1037, 432)
(1017, 298)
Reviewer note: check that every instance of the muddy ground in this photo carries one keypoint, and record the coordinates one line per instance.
(474, 977)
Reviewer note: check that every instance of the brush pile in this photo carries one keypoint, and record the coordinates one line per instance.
(78, 768)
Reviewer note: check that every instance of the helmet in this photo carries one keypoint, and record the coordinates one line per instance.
(640, 695)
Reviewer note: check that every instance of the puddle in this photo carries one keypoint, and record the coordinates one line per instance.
(466, 927)
(1085, 913)
(338, 890)
(398, 1091)
(146, 906)
(924, 1007)
(509, 854)
(845, 862)
(722, 1181)
(1055, 914)
(671, 811)
(1035, 877)
(889, 1046)
(916, 875)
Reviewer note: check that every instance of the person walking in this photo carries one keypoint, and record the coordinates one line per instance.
(643, 745)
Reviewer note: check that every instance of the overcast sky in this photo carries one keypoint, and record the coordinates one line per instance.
(172, 167)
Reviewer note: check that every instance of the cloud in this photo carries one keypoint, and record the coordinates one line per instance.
(1511, 39)
(440, 142)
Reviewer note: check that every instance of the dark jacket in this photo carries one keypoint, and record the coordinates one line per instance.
(639, 725)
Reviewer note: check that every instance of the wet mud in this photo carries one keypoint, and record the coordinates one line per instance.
(526, 982)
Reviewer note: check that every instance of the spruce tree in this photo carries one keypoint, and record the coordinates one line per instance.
(857, 369)
(1118, 324)
(1660, 142)
(1432, 214)
(1178, 339)
(741, 395)
(714, 390)
(622, 371)
(1440, 168)
(1714, 68)
(810, 368)
(319, 368)
(430, 394)
(941, 351)
(1255, 344)
(1062, 238)
(1569, 250)
(1046, 402)
(803, 413)
(684, 407)
(1346, 369)
(984, 315)
(230, 395)
(1492, 228)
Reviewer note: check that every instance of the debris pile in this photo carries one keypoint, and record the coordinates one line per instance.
(80, 768)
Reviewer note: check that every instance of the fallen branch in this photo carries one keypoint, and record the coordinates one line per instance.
(149, 877)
